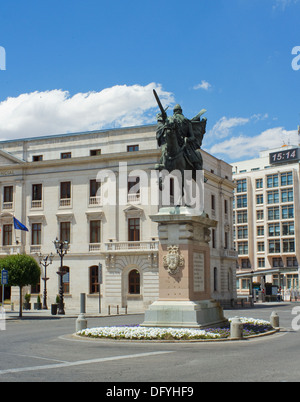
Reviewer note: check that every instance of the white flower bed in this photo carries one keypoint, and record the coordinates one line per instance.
(147, 333)
(136, 332)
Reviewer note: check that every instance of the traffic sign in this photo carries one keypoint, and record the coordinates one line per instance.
(4, 277)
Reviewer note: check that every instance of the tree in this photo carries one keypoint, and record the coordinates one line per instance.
(23, 270)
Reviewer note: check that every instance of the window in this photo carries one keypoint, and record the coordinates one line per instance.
(36, 200)
(95, 232)
(259, 199)
(273, 197)
(288, 245)
(274, 229)
(243, 247)
(213, 238)
(277, 262)
(245, 263)
(274, 246)
(242, 217)
(95, 152)
(213, 202)
(261, 262)
(65, 193)
(132, 148)
(273, 213)
(7, 235)
(133, 187)
(36, 234)
(8, 197)
(65, 231)
(226, 240)
(260, 215)
(259, 183)
(94, 280)
(287, 179)
(134, 282)
(36, 289)
(134, 229)
(66, 279)
(260, 230)
(287, 195)
(272, 180)
(241, 186)
(225, 207)
(94, 198)
(241, 201)
(242, 232)
(291, 262)
(65, 155)
(288, 228)
(260, 246)
(287, 212)
(215, 279)
(37, 158)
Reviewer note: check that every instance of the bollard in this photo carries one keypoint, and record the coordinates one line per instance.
(236, 328)
(81, 322)
(274, 320)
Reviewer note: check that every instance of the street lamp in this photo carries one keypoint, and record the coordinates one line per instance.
(45, 261)
(61, 249)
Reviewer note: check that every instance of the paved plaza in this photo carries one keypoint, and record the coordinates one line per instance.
(40, 347)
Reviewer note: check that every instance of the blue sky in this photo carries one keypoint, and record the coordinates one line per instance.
(74, 65)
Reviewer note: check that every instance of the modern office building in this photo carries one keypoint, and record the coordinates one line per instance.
(52, 185)
(267, 219)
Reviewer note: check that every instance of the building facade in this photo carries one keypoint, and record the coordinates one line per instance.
(266, 220)
(53, 186)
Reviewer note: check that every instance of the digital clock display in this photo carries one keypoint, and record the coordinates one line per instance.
(289, 155)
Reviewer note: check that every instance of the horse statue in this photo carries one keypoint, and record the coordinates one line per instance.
(180, 140)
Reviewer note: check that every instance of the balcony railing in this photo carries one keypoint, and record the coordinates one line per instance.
(7, 205)
(131, 246)
(95, 200)
(65, 202)
(9, 250)
(94, 247)
(36, 203)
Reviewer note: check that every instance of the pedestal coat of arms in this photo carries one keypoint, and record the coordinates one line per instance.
(173, 260)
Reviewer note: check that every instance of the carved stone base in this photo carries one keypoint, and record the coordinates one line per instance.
(185, 314)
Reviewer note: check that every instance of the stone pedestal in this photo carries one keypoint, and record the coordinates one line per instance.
(184, 272)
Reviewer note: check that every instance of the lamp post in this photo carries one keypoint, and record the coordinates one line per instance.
(61, 249)
(45, 261)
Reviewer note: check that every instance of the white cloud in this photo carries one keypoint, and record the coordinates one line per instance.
(223, 127)
(283, 4)
(239, 147)
(204, 85)
(56, 112)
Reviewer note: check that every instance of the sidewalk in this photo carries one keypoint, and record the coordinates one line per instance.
(46, 314)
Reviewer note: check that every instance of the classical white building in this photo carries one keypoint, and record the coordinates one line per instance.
(266, 219)
(51, 185)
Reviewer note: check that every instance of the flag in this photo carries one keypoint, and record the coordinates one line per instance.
(19, 225)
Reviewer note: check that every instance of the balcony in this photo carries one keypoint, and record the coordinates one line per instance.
(131, 247)
(36, 204)
(7, 205)
(94, 247)
(95, 201)
(65, 202)
(11, 249)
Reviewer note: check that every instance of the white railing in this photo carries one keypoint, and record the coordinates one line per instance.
(131, 245)
(36, 203)
(65, 202)
(35, 249)
(7, 205)
(94, 247)
(16, 249)
(133, 198)
(95, 200)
